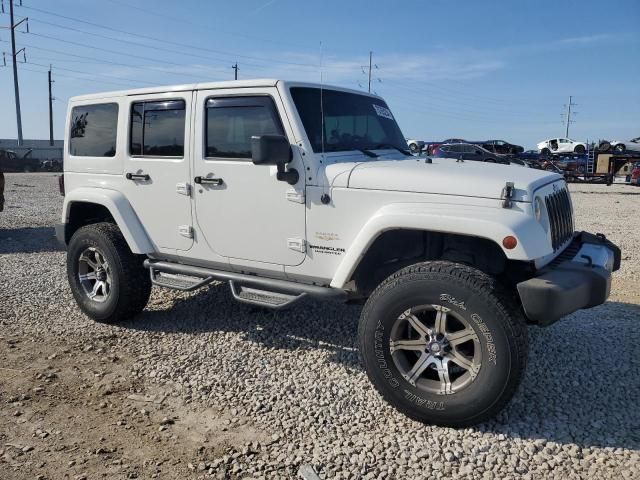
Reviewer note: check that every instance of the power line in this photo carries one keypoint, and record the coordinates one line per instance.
(206, 27)
(95, 61)
(75, 77)
(93, 73)
(156, 39)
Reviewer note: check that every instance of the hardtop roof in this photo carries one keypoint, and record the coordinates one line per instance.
(260, 82)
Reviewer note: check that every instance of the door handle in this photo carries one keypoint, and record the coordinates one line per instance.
(137, 176)
(208, 181)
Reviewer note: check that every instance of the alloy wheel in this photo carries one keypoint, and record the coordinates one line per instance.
(94, 274)
(435, 349)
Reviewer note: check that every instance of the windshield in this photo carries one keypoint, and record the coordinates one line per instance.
(351, 121)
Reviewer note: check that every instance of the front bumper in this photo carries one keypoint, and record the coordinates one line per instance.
(579, 278)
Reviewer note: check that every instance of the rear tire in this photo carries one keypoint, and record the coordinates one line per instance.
(620, 148)
(108, 281)
(467, 300)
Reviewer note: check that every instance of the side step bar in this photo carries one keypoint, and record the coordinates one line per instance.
(267, 292)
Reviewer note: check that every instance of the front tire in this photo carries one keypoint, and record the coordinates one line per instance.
(108, 281)
(620, 148)
(443, 343)
(579, 149)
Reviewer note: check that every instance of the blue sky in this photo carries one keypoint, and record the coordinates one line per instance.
(501, 69)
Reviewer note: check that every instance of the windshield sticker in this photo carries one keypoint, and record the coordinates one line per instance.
(382, 111)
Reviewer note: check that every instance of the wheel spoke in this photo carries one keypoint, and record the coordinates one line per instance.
(443, 372)
(420, 366)
(418, 344)
(441, 319)
(99, 259)
(85, 258)
(94, 291)
(461, 360)
(461, 336)
(418, 326)
(89, 276)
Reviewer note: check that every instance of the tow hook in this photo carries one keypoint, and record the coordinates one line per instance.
(507, 195)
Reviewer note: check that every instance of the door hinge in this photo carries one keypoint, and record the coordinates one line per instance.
(183, 189)
(297, 244)
(185, 231)
(295, 196)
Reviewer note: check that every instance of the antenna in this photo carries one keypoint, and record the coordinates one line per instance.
(321, 103)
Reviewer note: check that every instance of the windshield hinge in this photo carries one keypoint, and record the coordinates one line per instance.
(507, 195)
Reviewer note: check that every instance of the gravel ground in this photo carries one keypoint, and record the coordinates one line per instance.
(245, 393)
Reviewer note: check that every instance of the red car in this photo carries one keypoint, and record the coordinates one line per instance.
(434, 147)
(635, 174)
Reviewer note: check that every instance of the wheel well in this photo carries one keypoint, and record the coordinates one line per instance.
(396, 249)
(85, 213)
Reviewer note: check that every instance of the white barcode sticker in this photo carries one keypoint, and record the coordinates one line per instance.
(382, 111)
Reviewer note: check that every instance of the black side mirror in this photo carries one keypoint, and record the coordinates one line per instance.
(270, 150)
(274, 150)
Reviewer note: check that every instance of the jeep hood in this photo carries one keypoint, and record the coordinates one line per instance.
(445, 176)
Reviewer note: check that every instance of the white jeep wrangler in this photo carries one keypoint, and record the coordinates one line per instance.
(288, 190)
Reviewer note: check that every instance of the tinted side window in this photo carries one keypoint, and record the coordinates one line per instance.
(93, 130)
(231, 122)
(157, 128)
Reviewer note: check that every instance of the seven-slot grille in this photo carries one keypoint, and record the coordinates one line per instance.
(560, 217)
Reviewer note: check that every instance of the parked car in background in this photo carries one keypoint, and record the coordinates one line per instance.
(1, 190)
(468, 151)
(415, 146)
(434, 147)
(561, 145)
(635, 174)
(10, 162)
(617, 146)
(531, 155)
(501, 147)
(564, 164)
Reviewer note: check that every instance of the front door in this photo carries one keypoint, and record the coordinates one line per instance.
(242, 210)
(157, 167)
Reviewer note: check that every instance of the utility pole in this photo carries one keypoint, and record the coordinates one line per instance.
(235, 67)
(370, 73)
(568, 120)
(15, 69)
(370, 63)
(50, 110)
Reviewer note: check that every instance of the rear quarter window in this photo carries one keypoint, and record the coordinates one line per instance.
(93, 130)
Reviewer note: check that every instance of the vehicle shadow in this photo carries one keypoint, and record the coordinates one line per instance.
(581, 370)
(28, 240)
(306, 325)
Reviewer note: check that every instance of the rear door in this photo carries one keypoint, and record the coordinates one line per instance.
(157, 166)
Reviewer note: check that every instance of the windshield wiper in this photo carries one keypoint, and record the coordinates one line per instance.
(368, 153)
(388, 145)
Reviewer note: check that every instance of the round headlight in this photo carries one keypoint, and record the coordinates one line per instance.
(537, 208)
